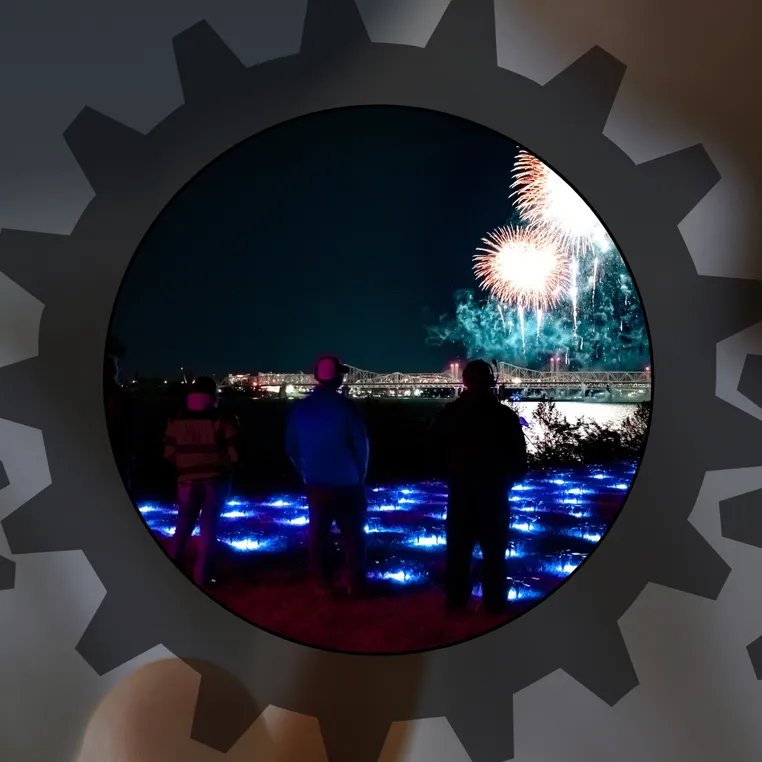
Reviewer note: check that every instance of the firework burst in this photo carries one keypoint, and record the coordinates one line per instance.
(549, 204)
(522, 268)
(559, 264)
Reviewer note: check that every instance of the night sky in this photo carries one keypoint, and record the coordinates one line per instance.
(342, 232)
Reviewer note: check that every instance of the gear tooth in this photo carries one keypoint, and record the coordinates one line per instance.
(703, 571)
(28, 529)
(470, 726)
(588, 87)
(205, 63)
(109, 641)
(741, 518)
(741, 302)
(742, 449)
(601, 663)
(7, 573)
(25, 408)
(689, 174)
(224, 708)
(755, 654)
(467, 27)
(332, 25)
(750, 384)
(24, 256)
(396, 688)
(367, 739)
(102, 147)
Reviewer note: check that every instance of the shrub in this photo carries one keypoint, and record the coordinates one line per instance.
(554, 441)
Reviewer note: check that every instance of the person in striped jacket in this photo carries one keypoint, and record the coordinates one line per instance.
(200, 443)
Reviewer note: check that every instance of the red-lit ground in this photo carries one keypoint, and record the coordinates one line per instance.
(557, 518)
(396, 621)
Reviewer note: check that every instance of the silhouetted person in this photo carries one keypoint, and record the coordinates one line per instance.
(200, 442)
(118, 419)
(481, 453)
(327, 442)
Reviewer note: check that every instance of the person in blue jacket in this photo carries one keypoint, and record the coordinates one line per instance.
(327, 442)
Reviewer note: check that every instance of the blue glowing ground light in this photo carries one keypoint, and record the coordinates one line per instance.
(557, 519)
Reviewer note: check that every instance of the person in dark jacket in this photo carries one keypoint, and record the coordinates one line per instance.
(481, 453)
(200, 443)
(327, 442)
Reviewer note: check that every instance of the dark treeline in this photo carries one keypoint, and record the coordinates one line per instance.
(398, 430)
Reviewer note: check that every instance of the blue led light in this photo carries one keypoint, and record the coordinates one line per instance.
(297, 521)
(429, 541)
(517, 590)
(525, 525)
(406, 526)
(238, 514)
(245, 544)
(399, 576)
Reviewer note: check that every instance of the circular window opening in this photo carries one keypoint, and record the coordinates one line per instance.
(407, 244)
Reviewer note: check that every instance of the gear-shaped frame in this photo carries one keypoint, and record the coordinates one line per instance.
(134, 176)
(7, 567)
(741, 518)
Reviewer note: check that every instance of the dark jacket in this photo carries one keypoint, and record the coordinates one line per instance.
(327, 441)
(479, 444)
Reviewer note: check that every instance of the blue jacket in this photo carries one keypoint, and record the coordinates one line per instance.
(327, 441)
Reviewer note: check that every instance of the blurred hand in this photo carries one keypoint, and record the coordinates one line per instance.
(149, 716)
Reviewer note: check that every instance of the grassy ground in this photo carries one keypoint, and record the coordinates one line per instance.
(283, 601)
(273, 590)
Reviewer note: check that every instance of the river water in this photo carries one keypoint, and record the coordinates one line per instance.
(602, 413)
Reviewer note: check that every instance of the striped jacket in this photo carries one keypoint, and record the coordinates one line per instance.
(201, 445)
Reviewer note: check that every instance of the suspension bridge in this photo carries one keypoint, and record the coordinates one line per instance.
(511, 376)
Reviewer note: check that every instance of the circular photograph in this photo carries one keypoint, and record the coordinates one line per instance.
(378, 380)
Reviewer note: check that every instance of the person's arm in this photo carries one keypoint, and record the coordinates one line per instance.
(516, 447)
(358, 437)
(170, 442)
(230, 429)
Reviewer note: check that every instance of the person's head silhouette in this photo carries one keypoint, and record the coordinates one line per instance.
(202, 394)
(330, 372)
(478, 376)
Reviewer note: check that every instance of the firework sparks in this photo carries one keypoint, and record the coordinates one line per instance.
(583, 301)
(522, 268)
(547, 202)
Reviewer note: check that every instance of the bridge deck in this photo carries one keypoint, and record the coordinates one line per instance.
(508, 375)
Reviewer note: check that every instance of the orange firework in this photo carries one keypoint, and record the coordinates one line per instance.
(547, 202)
(522, 267)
